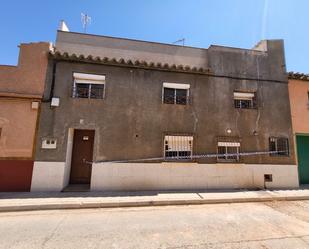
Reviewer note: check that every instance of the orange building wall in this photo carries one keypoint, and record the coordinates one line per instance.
(28, 77)
(18, 123)
(20, 86)
(298, 92)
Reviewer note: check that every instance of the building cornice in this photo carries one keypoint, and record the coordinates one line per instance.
(11, 95)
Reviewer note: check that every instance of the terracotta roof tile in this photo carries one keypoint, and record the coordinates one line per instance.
(123, 62)
(298, 76)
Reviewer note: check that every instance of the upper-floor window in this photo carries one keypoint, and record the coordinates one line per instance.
(245, 100)
(279, 146)
(90, 86)
(228, 150)
(174, 93)
(178, 146)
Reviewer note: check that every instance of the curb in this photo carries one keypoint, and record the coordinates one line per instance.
(119, 204)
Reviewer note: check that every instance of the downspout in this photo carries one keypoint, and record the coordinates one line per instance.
(52, 87)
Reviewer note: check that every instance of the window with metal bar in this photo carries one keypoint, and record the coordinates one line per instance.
(245, 100)
(175, 96)
(88, 86)
(228, 151)
(90, 91)
(279, 146)
(175, 93)
(178, 147)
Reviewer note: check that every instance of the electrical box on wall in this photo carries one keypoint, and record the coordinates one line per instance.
(49, 143)
(55, 102)
(34, 105)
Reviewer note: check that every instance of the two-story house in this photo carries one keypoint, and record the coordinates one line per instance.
(122, 114)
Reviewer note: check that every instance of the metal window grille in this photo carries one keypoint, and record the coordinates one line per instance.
(228, 152)
(175, 96)
(90, 91)
(279, 145)
(178, 147)
(245, 102)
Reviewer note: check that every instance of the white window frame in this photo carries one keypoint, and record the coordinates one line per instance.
(178, 143)
(91, 79)
(275, 141)
(175, 86)
(245, 96)
(228, 145)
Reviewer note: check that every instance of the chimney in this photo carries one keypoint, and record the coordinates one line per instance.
(63, 26)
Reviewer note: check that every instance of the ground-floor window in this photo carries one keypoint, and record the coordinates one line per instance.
(279, 146)
(228, 151)
(178, 147)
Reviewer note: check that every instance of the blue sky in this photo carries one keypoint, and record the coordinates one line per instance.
(235, 23)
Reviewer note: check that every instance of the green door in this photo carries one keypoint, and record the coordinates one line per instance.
(303, 158)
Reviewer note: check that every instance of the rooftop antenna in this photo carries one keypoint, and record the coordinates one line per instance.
(180, 41)
(85, 21)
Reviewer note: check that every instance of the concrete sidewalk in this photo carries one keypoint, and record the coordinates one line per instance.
(50, 200)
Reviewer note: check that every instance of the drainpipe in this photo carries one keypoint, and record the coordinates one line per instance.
(52, 87)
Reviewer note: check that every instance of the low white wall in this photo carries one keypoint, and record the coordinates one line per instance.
(51, 176)
(173, 176)
(48, 176)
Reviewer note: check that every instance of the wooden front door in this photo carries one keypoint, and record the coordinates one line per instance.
(82, 156)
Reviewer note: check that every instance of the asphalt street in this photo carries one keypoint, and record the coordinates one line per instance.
(240, 225)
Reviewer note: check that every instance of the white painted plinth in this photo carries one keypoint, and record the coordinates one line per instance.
(176, 176)
(48, 176)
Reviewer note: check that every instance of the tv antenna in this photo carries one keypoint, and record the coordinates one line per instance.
(182, 41)
(85, 21)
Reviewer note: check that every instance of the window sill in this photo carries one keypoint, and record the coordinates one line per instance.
(174, 104)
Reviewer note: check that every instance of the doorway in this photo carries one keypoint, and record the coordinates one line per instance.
(82, 156)
(303, 158)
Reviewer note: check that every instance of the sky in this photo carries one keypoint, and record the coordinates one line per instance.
(233, 23)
